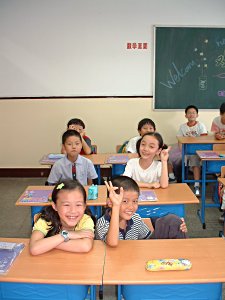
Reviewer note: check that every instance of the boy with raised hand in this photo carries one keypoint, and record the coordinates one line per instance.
(144, 126)
(121, 222)
(193, 128)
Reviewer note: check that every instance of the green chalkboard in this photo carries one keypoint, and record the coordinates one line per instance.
(189, 67)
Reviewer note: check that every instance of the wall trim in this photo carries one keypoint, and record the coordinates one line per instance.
(24, 172)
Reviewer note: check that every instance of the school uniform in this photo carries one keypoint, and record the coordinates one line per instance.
(62, 169)
(135, 171)
(217, 125)
(131, 145)
(136, 228)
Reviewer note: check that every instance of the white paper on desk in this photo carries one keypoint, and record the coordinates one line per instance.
(147, 196)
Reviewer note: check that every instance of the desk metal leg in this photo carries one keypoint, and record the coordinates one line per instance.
(93, 292)
(201, 213)
(183, 162)
(98, 170)
(119, 292)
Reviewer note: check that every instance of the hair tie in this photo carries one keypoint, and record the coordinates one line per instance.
(60, 186)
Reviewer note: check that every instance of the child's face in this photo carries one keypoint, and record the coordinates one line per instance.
(70, 207)
(76, 127)
(129, 205)
(73, 146)
(191, 114)
(149, 147)
(145, 129)
(222, 118)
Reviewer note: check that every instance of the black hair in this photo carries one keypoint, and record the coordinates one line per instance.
(50, 215)
(157, 136)
(191, 106)
(127, 183)
(222, 108)
(68, 133)
(76, 121)
(144, 122)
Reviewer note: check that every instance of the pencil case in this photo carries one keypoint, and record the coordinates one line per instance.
(168, 264)
(93, 192)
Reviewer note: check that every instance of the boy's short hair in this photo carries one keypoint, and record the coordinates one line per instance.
(69, 133)
(144, 122)
(76, 121)
(189, 107)
(222, 108)
(127, 183)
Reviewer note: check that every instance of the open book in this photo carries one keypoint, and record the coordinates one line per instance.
(208, 154)
(36, 196)
(8, 253)
(147, 196)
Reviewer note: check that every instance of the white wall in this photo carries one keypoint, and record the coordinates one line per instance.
(79, 47)
(31, 128)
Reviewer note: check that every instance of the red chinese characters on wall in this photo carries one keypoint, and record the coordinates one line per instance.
(137, 46)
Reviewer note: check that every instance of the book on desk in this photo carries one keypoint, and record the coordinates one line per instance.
(118, 159)
(208, 154)
(8, 253)
(147, 196)
(36, 196)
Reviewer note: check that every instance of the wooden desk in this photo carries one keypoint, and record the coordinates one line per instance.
(209, 166)
(170, 200)
(202, 281)
(37, 206)
(118, 166)
(191, 144)
(53, 275)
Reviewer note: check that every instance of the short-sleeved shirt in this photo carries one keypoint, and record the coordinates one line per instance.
(136, 229)
(85, 223)
(88, 141)
(196, 130)
(62, 169)
(131, 146)
(135, 171)
(217, 125)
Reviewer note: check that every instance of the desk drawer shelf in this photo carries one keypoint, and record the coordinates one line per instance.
(209, 291)
(32, 291)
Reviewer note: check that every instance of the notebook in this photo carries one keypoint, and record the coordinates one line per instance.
(36, 196)
(209, 154)
(8, 253)
(123, 159)
(147, 196)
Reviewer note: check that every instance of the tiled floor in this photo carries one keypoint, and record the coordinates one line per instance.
(15, 221)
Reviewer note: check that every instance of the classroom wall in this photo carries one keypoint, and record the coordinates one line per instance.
(32, 128)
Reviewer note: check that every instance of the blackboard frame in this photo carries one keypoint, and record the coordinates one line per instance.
(171, 92)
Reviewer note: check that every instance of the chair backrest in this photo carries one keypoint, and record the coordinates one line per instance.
(122, 148)
(218, 147)
(118, 148)
(223, 171)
